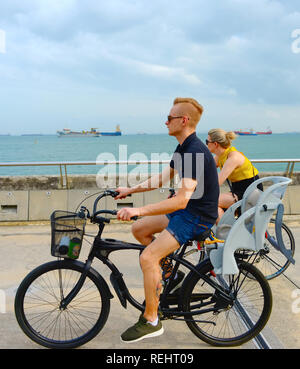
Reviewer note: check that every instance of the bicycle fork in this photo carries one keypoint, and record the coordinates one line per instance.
(73, 293)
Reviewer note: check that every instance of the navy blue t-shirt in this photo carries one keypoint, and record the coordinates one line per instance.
(193, 160)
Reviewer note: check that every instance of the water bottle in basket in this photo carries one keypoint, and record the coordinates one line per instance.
(63, 247)
(74, 248)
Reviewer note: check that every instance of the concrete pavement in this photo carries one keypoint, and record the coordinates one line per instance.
(25, 246)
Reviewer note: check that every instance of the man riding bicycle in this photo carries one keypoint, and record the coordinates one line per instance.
(179, 219)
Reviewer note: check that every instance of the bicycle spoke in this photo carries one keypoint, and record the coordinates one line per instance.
(229, 325)
(272, 262)
(42, 306)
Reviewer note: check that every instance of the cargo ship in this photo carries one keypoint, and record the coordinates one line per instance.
(116, 133)
(268, 132)
(66, 132)
(251, 132)
(246, 133)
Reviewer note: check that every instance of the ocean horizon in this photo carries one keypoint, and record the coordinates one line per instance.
(127, 134)
(142, 146)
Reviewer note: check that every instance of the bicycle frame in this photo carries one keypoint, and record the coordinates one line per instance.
(82, 291)
(102, 248)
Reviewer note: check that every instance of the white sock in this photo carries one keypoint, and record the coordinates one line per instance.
(153, 323)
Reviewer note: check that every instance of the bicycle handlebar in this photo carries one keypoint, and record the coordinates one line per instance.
(94, 217)
(106, 193)
(112, 212)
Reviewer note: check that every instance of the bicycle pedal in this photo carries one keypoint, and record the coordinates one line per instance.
(166, 317)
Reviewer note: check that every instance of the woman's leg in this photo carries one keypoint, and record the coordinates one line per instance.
(225, 201)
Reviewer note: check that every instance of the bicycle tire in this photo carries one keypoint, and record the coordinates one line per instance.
(227, 318)
(276, 263)
(199, 255)
(41, 284)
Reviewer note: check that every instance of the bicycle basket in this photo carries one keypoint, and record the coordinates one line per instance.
(67, 231)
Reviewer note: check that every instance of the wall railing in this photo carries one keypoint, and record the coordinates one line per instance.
(64, 164)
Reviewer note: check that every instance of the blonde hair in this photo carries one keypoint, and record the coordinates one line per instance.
(222, 137)
(190, 107)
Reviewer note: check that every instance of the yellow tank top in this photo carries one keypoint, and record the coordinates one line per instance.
(245, 171)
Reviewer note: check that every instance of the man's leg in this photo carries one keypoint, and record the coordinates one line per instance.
(149, 324)
(162, 246)
(144, 229)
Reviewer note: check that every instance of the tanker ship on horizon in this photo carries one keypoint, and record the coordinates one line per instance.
(251, 132)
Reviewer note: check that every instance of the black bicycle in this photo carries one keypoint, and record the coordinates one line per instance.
(65, 303)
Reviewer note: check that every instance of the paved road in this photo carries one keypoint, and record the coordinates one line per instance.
(23, 247)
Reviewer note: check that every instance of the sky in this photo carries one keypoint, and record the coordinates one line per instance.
(94, 63)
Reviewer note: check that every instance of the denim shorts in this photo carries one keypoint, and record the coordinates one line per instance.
(185, 226)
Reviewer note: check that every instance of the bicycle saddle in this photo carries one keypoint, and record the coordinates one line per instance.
(203, 236)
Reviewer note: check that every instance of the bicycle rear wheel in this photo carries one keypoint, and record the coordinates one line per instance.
(197, 255)
(272, 262)
(37, 305)
(223, 323)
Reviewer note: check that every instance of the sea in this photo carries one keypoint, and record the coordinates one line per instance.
(51, 148)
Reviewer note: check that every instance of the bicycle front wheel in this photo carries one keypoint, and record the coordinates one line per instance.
(38, 311)
(223, 322)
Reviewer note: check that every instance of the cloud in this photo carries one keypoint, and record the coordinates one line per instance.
(236, 51)
(272, 114)
(163, 72)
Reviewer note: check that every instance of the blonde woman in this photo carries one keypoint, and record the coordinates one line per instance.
(235, 167)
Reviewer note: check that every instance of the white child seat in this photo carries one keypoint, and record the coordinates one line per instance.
(248, 231)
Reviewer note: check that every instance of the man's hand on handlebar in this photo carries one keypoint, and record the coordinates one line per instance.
(128, 213)
(123, 192)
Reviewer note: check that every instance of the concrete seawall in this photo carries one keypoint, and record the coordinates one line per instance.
(34, 198)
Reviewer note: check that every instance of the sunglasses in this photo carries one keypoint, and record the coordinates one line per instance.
(207, 142)
(170, 118)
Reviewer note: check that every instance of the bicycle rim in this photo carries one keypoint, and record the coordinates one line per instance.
(224, 325)
(273, 263)
(38, 310)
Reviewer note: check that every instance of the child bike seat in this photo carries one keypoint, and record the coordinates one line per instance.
(248, 231)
